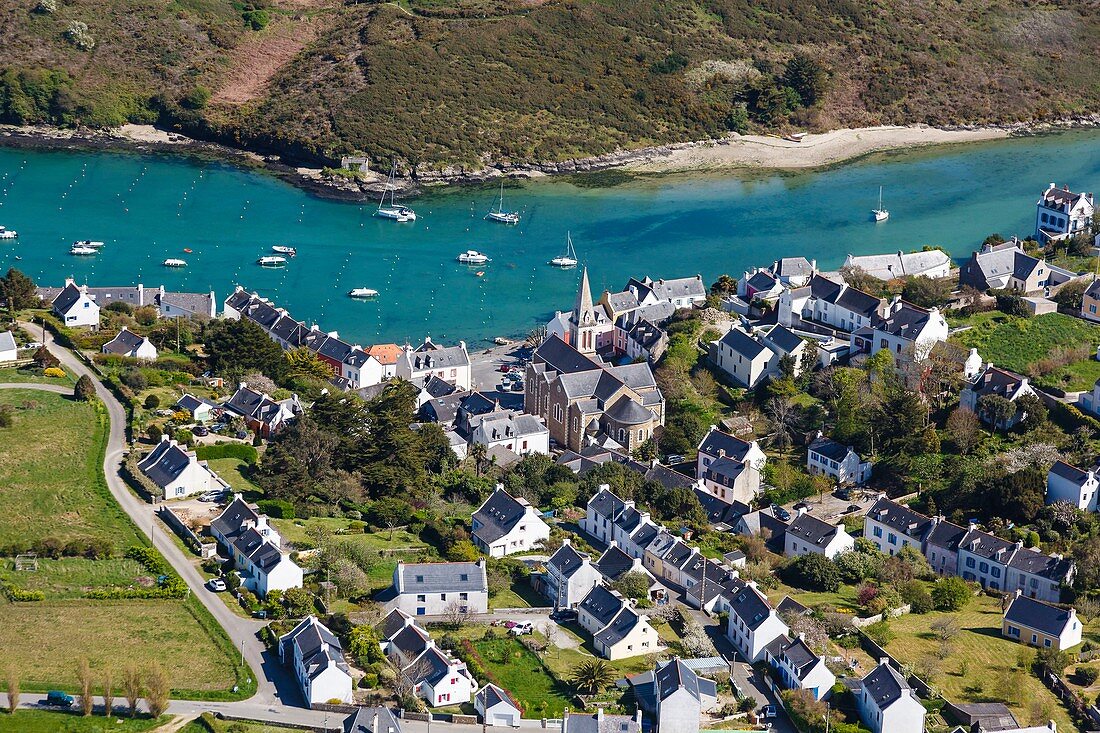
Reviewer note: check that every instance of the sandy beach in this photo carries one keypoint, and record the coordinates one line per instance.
(815, 150)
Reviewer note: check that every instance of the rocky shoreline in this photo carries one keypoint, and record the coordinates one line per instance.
(727, 153)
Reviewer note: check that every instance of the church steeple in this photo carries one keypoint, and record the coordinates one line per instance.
(584, 319)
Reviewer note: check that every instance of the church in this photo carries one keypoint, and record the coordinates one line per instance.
(584, 400)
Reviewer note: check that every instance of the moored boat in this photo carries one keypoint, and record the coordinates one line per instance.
(362, 293)
(280, 249)
(880, 214)
(88, 243)
(82, 251)
(271, 261)
(174, 262)
(499, 214)
(6, 233)
(473, 257)
(394, 211)
(568, 258)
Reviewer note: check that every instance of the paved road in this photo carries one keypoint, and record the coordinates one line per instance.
(274, 680)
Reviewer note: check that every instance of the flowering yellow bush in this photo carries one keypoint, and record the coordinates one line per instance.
(55, 372)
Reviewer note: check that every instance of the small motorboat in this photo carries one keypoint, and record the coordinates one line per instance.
(187, 250)
(280, 249)
(480, 273)
(473, 257)
(362, 293)
(271, 261)
(83, 251)
(88, 243)
(18, 257)
(6, 233)
(174, 262)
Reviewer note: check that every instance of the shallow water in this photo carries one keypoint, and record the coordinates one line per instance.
(148, 208)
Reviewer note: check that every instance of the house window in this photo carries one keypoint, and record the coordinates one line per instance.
(1034, 639)
(892, 538)
(442, 596)
(1046, 643)
(877, 531)
(463, 596)
(969, 562)
(1014, 631)
(420, 579)
(995, 572)
(421, 599)
(983, 567)
(464, 577)
(420, 611)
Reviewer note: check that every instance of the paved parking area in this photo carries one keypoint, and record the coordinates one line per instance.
(485, 364)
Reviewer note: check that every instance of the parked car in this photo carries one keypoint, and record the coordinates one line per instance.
(844, 493)
(215, 495)
(854, 508)
(57, 698)
(217, 585)
(781, 513)
(32, 345)
(242, 434)
(520, 629)
(768, 711)
(200, 430)
(564, 615)
(505, 367)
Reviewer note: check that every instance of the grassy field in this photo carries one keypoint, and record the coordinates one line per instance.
(41, 721)
(523, 674)
(47, 639)
(233, 471)
(297, 531)
(980, 666)
(844, 600)
(210, 724)
(10, 374)
(69, 577)
(1016, 343)
(51, 482)
(519, 595)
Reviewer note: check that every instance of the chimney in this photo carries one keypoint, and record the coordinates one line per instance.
(599, 718)
(883, 660)
(462, 344)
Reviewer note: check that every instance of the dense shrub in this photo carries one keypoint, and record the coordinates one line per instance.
(240, 451)
(85, 389)
(813, 572)
(276, 508)
(19, 595)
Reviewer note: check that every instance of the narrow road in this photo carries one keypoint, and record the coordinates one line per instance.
(55, 388)
(274, 679)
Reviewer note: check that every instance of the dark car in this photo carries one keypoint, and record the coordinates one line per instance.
(57, 698)
(854, 508)
(200, 430)
(843, 494)
(781, 513)
(564, 615)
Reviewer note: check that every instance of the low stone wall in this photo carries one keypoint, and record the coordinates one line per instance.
(860, 623)
(334, 708)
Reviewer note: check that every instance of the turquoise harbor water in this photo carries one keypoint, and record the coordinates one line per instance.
(150, 208)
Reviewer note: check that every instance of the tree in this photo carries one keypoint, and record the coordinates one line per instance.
(963, 426)
(301, 363)
(152, 402)
(84, 681)
(131, 688)
(44, 359)
(1071, 294)
(241, 346)
(782, 420)
(18, 291)
(945, 628)
(633, 585)
(880, 633)
(951, 594)
(592, 676)
(998, 411)
(724, 285)
(108, 694)
(12, 680)
(157, 691)
(695, 641)
(455, 615)
(807, 76)
(927, 292)
(813, 572)
(85, 388)
(1034, 411)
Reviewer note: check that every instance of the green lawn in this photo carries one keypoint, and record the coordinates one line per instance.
(46, 640)
(519, 595)
(233, 471)
(69, 577)
(51, 480)
(210, 724)
(1015, 343)
(980, 666)
(844, 600)
(523, 674)
(32, 374)
(41, 721)
(296, 531)
(1079, 376)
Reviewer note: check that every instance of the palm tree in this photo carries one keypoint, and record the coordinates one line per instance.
(592, 676)
(477, 454)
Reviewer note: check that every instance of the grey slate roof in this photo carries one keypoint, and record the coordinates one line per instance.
(318, 647)
(410, 641)
(66, 299)
(441, 577)
(829, 448)
(812, 530)
(498, 516)
(7, 341)
(798, 655)
(1053, 568)
(123, 343)
(716, 440)
(858, 301)
(994, 380)
(784, 338)
(372, 720)
(165, 463)
(614, 563)
(602, 604)
(1070, 473)
(899, 264)
(947, 535)
(600, 722)
(899, 517)
(793, 267)
(762, 280)
(673, 676)
(1033, 614)
(490, 696)
(741, 343)
(884, 685)
(682, 287)
(433, 356)
(625, 622)
(395, 621)
(567, 560)
(561, 357)
(748, 604)
(907, 322)
(606, 504)
(625, 411)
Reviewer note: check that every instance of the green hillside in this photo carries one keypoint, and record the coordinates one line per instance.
(464, 82)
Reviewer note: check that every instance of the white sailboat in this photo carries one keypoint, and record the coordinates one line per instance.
(174, 262)
(499, 214)
(271, 261)
(362, 293)
(569, 257)
(473, 257)
(880, 214)
(393, 211)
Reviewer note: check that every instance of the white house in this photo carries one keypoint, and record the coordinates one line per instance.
(570, 575)
(435, 588)
(261, 413)
(719, 444)
(887, 704)
(618, 630)
(518, 432)
(199, 408)
(909, 333)
(449, 363)
(753, 622)
(178, 472)
(1061, 214)
(808, 535)
(254, 547)
(1040, 624)
(504, 525)
(798, 667)
(892, 526)
(1077, 486)
(127, 343)
(931, 263)
(682, 292)
(681, 697)
(8, 350)
(317, 658)
(827, 457)
(361, 369)
(439, 679)
(372, 720)
(496, 707)
(830, 303)
(610, 519)
(999, 382)
(75, 307)
(749, 359)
